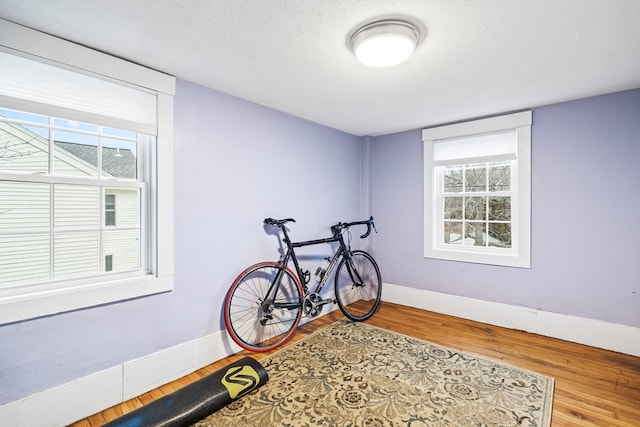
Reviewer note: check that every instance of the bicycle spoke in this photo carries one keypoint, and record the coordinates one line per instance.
(254, 319)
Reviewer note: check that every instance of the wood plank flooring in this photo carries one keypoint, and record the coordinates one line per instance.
(593, 387)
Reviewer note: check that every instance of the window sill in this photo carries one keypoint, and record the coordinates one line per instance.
(45, 302)
(505, 260)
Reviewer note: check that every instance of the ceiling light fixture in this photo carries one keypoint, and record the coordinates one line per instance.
(384, 43)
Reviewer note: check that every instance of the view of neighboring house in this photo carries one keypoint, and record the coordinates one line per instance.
(71, 228)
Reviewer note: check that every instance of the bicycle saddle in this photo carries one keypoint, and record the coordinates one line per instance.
(278, 222)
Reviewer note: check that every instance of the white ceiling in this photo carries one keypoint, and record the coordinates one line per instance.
(478, 57)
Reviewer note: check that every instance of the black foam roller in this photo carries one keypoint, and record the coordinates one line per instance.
(199, 399)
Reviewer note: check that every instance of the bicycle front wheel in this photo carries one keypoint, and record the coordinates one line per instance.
(257, 321)
(358, 286)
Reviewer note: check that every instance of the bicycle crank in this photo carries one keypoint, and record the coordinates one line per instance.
(312, 304)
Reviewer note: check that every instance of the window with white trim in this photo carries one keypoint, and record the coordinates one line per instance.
(477, 191)
(80, 130)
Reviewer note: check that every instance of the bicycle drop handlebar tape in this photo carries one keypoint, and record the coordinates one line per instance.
(369, 223)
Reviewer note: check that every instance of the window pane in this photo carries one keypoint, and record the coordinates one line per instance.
(499, 208)
(24, 206)
(474, 233)
(109, 209)
(119, 133)
(109, 218)
(24, 259)
(108, 263)
(500, 178)
(75, 154)
(127, 211)
(75, 254)
(452, 180)
(124, 245)
(110, 201)
(75, 207)
(453, 208)
(453, 232)
(74, 125)
(475, 208)
(500, 235)
(27, 117)
(24, 148)
(119, 159)
(476, 179)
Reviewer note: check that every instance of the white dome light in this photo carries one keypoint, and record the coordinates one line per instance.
(384, 43)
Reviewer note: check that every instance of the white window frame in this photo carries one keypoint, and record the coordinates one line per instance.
(520, 253)
(21, 304)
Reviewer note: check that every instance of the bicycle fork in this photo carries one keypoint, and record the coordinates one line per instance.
(353, 273)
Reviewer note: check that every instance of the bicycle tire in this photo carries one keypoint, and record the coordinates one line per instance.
(358, 301)
(244, 314)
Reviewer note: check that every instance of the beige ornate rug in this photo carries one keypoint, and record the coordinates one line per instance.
(354, 374)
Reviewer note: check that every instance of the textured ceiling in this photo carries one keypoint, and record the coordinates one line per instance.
(478, 58)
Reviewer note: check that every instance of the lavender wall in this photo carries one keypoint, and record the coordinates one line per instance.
(585, 216)
(231, 161)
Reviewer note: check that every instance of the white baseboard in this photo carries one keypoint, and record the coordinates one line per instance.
(89, 395)
(56, 406)
(86, 396)
(595, 333)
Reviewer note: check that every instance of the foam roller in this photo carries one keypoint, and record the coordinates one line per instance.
(199, 399)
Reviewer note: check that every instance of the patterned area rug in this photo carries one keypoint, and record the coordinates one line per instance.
(354, 374)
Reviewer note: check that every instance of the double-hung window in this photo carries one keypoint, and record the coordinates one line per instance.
(477, 191)
(85, 177)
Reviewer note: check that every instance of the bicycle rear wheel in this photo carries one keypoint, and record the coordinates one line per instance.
(255, 322)
(358, 286)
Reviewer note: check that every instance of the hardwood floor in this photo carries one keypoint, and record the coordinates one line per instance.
(593, 387)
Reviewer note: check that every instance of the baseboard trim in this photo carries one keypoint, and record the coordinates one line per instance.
(73, 401)
(86, 396)
(595, 333)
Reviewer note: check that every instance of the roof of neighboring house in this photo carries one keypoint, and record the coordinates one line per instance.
(117, 162)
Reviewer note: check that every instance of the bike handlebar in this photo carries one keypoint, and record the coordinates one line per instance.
(335, 229)
(369, 223)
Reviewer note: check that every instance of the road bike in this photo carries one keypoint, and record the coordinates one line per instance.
(265, 303)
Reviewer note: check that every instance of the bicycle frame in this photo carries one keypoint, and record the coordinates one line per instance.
(290, 255)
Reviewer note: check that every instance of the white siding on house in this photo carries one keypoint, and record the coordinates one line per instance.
(24, 207)
(75, 254)
(76, 207)
(24, 259)
(24, 211)
(123, 245)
